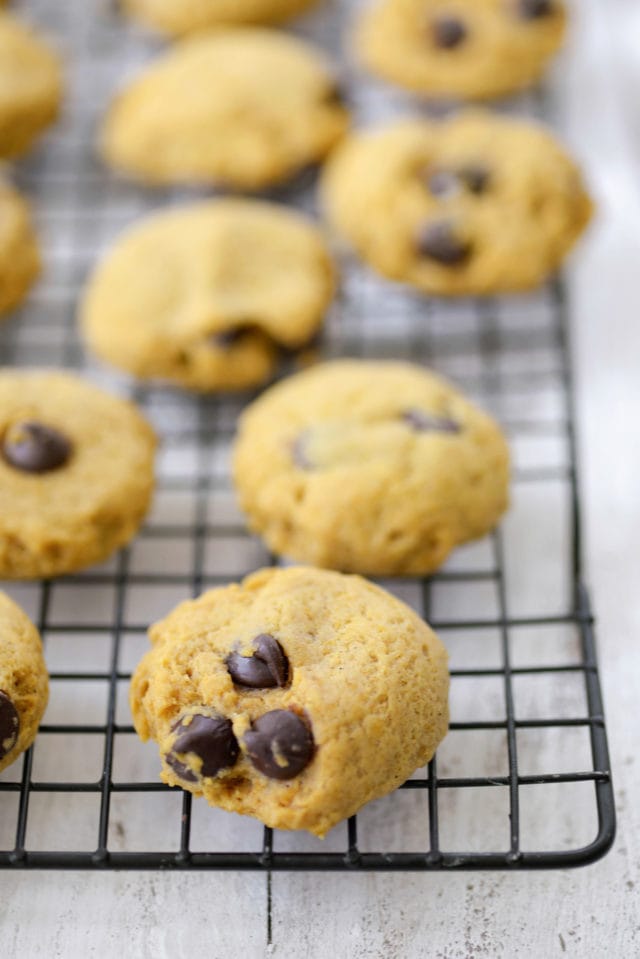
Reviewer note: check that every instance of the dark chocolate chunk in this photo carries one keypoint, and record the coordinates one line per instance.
(280, 744)
(475, 178)
(266, 668)
(423, 422)
(535, 9)
(35, 448)
(210, 738)
(440, 242)
(9, 725)
(448, 32)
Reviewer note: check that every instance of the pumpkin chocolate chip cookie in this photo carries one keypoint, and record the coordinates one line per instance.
(473, 205)
(239, 108)
(379, 468)
(205, 295)
(24, 683)
(190, 16)
(30, 86)
(295, 696)
(19, 253)
(461, 49)
(76, 473)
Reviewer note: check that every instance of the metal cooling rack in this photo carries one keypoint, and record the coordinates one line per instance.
(523, 778)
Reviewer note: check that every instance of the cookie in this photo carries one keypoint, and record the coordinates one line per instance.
(190, 16)
(243, 108)
(76, 473)
(473, 205)
(204, 295)
(379, 468)
(460, 49)
(295, 696)
(30, 86)
(24, 683)
(19, 252)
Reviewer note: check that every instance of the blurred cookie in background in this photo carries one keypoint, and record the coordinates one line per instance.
(242, 109)
(30, 86)
(473, 205)
(179, 17)
(460, 49)
(19, 253)
(206, 295)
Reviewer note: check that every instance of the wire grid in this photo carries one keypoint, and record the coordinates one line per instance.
(523, 778)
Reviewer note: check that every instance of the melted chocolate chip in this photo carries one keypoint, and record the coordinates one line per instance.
(9, 725)
(280, 744)
(423, 422)
(535, 9)
(211, 739)
(475, 178)
(226, 339)
(35, 448)
(448, 32)
(266, 668)
(439, 241)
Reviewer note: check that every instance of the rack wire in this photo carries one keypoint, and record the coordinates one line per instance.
(523, 779)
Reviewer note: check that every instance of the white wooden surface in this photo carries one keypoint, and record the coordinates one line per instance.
(585, 913)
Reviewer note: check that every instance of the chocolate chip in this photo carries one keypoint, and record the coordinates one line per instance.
(9, 725)
(423, 422)
(280, 744)
(475, 178)
(299, 453)
(443, 183)
(439, 241)
(448, 32)
(229, 338)
(266, 668)
(535, 9)
(35, 448)
(210, 738)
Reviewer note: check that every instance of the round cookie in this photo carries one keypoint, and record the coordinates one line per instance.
(24, 683)
(461, 49)
(30, 86)
(190, 16)
(296, 696)
(369, 467)
(243, 108)
(473, 205)
(19, 253)
(76, 473)
(204, 295)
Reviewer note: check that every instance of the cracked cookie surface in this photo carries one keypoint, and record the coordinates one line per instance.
(295, 696)
(24, 682)
(204, 296)
(474, 205)
(237, 108)
(379, 468)
(76, 473)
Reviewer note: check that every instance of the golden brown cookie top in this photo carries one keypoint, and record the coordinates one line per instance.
(205, 294)
(474, 204)
(467, 49)
(242, 108)
(191, 16)
(296, 695)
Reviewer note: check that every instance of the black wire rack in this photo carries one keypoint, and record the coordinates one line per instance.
(523, 779)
